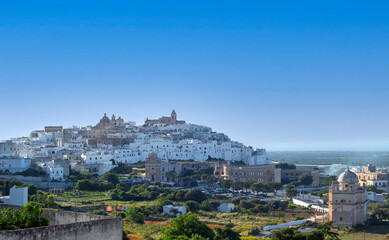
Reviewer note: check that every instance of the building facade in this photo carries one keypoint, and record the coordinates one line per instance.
(157, 168)
(370, 176)
(347, 201)
(291, 175)
(263, 173)
(164, 120)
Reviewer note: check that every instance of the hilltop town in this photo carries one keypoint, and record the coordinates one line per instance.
(141, 179)
(92, 148)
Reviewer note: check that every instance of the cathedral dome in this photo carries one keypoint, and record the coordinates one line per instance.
(348, 177)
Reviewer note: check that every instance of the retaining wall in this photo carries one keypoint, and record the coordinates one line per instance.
(64, 225)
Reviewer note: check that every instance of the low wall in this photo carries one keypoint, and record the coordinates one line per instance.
(284, 225)
(40, 182)
(66, 225)
(299, 202)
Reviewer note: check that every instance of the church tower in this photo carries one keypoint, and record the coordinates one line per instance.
(173, 116)
(347, 201)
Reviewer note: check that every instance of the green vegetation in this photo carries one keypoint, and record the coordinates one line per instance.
(285, 166)
(328, 180)
(187, 227)
(122, 168)
(373, 188)
(31, 173)
(322, 232)
(305, 179)
(45, 200)
(31, 216)
(89, 185)
(135, 215)
(110, 177)
(290, 190)
(378, 213)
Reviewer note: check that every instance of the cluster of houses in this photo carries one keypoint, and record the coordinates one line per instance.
(97, 148)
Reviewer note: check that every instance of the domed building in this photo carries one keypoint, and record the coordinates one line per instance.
(347, 201)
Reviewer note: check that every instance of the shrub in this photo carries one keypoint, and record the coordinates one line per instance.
(192, 206)
(31, 216)
(135, 215)
(196, 195)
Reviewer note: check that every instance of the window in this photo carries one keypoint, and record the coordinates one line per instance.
(341, 219)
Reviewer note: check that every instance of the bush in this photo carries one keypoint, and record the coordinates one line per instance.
(196, 195)
(254, 231)
(192, 206)
(206, 206)
(186, 226)
(88, 185)
(291, 205)
(246, 204)
(31, 216)
(110, 177)
(31, 173)
(135, 215)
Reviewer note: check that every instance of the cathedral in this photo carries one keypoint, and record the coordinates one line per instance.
(164, 120)
(347, 201)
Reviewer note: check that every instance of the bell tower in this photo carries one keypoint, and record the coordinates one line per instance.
(173, 116)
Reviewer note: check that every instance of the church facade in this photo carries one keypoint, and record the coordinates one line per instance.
(164, 120)
(347, 201)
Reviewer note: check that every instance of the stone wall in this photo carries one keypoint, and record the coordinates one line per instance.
(40, 182)
(66, 225)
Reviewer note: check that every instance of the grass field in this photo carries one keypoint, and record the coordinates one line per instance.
(377, 232)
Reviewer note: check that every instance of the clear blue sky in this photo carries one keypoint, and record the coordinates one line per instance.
(284, 75)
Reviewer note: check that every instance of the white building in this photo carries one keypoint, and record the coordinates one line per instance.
(14, 164)
(374, 197)
(93, 157)
(226, 207)
(17, 196)
(170, 209)
(7, 149)
(54, 171)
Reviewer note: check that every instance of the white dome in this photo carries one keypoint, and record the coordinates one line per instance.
(348, 177)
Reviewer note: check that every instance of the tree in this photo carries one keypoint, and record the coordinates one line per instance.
(226, 233)
(373, 188)
(306, 179)
(294, 234)
(290, 191)
(281, 214)
(275, 186)
(192, 206)
(328, 180)
(122, 168)
(31, 216)
(206, 206)
(225, 184)
(285, 166)
(32, 189)
(50, 203)
(110, 177)
(237, 185)
(135, 215)
(325, 229)
(257, 187)
(6, 189)
(196, 195)
(246, 204)
(185, 227)
(171, 176)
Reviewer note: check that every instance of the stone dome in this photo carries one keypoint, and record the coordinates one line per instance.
(348, 177)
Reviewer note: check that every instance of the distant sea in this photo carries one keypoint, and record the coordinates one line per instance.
(351, 158)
